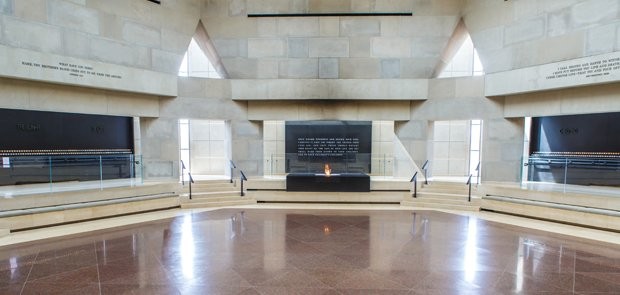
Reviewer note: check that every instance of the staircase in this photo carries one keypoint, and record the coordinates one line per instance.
(444, 195)
(214, 193)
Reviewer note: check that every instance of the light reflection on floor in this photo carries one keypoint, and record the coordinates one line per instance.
(302, 251)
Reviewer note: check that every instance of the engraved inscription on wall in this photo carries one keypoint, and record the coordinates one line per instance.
(595, 68)
(74, 70)
(326, 147)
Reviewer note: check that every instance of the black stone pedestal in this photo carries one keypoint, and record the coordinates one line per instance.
(318, 182)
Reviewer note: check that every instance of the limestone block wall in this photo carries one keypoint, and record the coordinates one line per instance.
(138, 34)
(329, 110)
(516, 34)
(572, 101)
(371, 47)
(451, 148)
(204, 99)
(37, 96)
(160, 148)
(463, 99)
(247, 146)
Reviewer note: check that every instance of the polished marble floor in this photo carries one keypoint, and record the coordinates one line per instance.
(301, 251)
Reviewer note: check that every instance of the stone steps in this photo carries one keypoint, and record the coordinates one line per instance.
(214, 193)
(444, 195)
(457, 190)
(212, 197)
(435, 205)
(68, 213)
(217, 202)
(212, 183)
(446, 198)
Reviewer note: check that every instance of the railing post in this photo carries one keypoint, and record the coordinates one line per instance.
(191, 180)
(242, 178)
(414, 179)
(425, 169)
(242, 193)
(478, 174)
(469, 184)
(232, 171)
(182, 173)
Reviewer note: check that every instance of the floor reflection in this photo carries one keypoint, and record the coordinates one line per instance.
(256, 251)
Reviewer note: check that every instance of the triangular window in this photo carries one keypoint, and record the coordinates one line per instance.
(197, 64)
(464, 63)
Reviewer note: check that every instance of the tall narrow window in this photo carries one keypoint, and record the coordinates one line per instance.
(464, 63)
(475, 143)
(197, 64)
(184, 147)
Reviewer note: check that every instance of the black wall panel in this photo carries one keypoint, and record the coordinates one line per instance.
(35, 130)
(333, 142)
(591, 133)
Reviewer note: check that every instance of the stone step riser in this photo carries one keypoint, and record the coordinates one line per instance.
(214, 182)
(217, 204)
(443, 196)
(475, 202)
(213, 189)
(211, 185)
(216, 199)
(446, 185)
(455, 190)
(441, 206)
(211, 195)
(218, 195)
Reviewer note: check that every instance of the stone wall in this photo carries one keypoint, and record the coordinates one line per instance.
(463, 99)
(516, 34)
(138, 34)
(37, 96)
(376, 47)
(573, 101)
(210, 99)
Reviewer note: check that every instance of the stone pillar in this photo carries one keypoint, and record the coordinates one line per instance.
(247, 146)
(502, 149)
(414, 135)
(160, 148)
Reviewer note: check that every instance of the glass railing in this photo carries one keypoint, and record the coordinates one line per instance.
(33, 174)
(570, 174)
(372, 164)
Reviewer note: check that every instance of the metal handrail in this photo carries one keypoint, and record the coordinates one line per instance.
(424, 167)
(183, 173)
(478, 173)
(232, 167)
(242, 178)
(469, 184)
(191, 180)
(414, 179)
